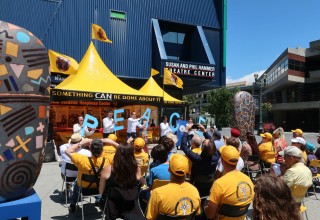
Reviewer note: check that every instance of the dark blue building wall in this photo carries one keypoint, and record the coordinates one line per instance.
(65, 26)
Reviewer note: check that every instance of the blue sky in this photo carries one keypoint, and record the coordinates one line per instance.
(258, 31)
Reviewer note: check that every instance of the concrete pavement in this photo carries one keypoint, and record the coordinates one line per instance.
(49, 185)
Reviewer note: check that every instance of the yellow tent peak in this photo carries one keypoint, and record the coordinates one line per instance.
(151, 87)
(94, 76)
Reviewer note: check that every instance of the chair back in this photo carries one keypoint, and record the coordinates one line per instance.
(233, 211)
(70, 167)
(254, 158)
(315, 163)
(158, 183)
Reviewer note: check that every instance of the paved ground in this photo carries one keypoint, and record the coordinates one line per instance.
(49, 184)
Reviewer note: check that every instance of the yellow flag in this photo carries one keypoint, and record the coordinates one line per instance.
(60, 63)
(171, 79)
(99, 34)
(154, 72)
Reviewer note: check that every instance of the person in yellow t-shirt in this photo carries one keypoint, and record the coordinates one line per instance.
(177, 197)
(83, 163)
(266, 150)
(142, 158)
(195, 147)
(233, 189)
(110, 150)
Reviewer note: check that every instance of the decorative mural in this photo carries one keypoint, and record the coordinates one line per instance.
(24, 109)
(243, 113)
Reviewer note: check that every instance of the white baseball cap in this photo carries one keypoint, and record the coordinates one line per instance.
(299, 140)
(291, 151)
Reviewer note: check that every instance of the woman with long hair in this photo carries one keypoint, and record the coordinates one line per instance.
(249, 148)
(120, 185)
(273, 200)
(279, 142)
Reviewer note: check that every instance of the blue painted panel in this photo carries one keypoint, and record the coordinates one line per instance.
(66, 27)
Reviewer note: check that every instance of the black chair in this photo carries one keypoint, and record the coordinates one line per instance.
(233, 211)
(253, 174)
(67, 179)
(88, 192)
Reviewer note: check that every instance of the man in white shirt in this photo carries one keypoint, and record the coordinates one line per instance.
(164, 126)
(133, 122)
(75, 138)
(77, 127)
(108, 124)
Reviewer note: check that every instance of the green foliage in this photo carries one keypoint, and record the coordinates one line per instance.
(220, 105)
(266, 107)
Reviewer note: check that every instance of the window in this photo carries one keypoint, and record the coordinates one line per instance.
(118, 15)
(174, 37)
(296, 65)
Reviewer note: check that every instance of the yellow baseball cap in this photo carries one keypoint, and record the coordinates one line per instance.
(112, 137)
(266, 135)
(179, 164)
(298, 130)
(230, 155)
(139, 143)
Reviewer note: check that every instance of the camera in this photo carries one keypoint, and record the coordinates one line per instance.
(195, 126)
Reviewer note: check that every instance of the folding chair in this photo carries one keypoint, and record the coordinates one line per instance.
(253, 173)
(94, 178)
(315, 163)
(303, 209)
(67, 179)
(150, 136)
(233, 211)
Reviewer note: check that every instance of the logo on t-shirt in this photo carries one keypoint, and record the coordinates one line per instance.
(244, 191)
(184, 206)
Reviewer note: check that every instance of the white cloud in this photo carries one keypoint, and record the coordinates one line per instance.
(248, 78)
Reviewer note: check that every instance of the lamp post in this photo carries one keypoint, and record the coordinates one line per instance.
(259, 83)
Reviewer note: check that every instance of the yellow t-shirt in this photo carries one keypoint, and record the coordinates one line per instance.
(174, 199)
(267, 152)
(84, 166)
(142, 158)
(197, 150)
(234, 188)
(305, 157)
(109, 151)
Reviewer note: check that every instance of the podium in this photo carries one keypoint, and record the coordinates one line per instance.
(29, 207)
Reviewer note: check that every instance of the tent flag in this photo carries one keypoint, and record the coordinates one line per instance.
(99, 34)
(60, 63)
(154, 72)
(171, 79)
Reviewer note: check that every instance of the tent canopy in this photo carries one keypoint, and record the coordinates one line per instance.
(151, 87)
(94, 81)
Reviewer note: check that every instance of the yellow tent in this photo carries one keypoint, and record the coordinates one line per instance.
(152, 87)
(95, 82)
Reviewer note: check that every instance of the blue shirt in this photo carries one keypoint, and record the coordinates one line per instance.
(159, 172)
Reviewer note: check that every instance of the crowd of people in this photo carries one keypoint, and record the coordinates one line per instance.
(210, 181)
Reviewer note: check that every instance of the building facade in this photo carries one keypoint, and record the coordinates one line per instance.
(186, 36)
(292, 85)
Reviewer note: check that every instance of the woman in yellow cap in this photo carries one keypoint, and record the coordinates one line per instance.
(266, 150)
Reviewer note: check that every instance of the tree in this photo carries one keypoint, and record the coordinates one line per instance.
(220, 105)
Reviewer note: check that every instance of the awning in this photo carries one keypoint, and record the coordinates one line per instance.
(151, 87)
(95, 82)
